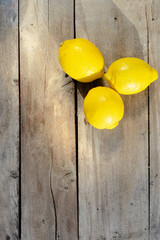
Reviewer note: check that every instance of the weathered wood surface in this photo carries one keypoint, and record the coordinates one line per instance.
(113, 165)
(9, 120)
(118, 170)
(49, 198)
(153, 11)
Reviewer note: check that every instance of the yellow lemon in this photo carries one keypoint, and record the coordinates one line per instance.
(103, 108)
(130, 75)
(81, 60)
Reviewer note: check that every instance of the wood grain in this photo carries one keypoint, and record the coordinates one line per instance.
(153, 13)
(49, 204)
(113, 165)
(9, 120)
(114, 199)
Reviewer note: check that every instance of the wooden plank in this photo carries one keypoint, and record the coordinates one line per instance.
(153, 11)
(113, 164)
(9, 119)
(49, 204)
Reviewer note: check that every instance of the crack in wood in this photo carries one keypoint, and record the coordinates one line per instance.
(20, 131)
(76, 125)
(149, 220)
(146, 15)
(66, 84)
(52, 194)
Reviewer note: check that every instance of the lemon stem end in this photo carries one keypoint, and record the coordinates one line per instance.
(61, 44)
(154, 75)
(106, 77)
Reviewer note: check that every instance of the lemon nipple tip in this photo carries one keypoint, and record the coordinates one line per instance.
(106, 76)
(154, 74)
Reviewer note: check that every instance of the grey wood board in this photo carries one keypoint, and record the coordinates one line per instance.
(113, 164)
(153, 14)
(9, 120)
(49, 197)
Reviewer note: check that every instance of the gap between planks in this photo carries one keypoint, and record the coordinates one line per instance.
(146, 15)
(76, 123)
(19, 78)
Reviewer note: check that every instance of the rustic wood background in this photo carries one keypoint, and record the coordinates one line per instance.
(59, 177)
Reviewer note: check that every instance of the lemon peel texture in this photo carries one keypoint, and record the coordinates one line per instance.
(103, 108)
